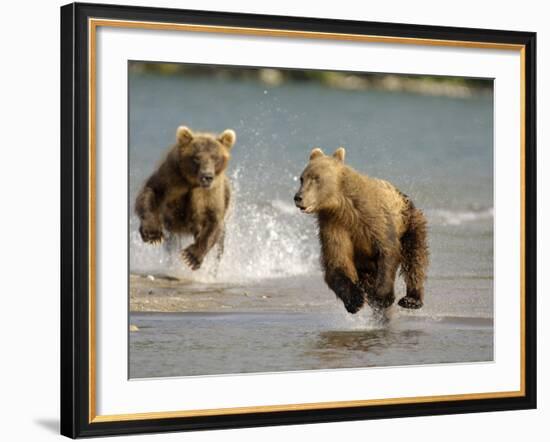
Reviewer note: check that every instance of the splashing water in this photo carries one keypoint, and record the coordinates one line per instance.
(365, 319)
(263, 240)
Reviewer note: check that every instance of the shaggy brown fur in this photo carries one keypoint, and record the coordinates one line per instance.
(189, 193)
(367, 230)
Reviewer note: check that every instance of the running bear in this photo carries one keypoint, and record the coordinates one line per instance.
(189, 193)
(367, 229)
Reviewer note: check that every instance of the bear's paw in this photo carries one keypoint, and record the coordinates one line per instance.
(191, 258)
(410, 302)
(151, 232)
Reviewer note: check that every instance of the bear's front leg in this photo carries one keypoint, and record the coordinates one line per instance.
(205, 239)
(192, 256)
(147, 209)
(150, 230)
(347, 290)
(340, 272)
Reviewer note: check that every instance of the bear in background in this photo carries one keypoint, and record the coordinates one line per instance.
(367, 229)
(189, 193)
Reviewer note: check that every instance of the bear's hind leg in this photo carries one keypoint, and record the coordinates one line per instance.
(220, 244)
(366, 274)
(220, 247)
(381, 294)
(414, 259)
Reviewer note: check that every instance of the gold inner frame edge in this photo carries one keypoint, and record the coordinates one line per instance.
(93, 24)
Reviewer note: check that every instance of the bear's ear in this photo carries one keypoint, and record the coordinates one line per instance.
(315, 152)
(228, 138)
(340, 154)
(184, 135)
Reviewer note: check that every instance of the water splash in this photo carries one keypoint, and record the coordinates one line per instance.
(263, 240)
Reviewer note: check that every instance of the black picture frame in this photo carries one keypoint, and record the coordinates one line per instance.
(75, 221)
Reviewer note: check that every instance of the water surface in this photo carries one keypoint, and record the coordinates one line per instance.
(271, 310)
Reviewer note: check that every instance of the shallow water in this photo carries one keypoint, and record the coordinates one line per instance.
(269, 309)
(175, 344)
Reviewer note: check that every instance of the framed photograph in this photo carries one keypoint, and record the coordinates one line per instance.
(279, 220)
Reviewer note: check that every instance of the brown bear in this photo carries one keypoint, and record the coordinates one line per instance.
(367, 229)
(189, 193)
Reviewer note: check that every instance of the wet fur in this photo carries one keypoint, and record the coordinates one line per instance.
(173, 200)
(367, 230)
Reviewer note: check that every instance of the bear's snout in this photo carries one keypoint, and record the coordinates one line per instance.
(298, 200)
(206, 179)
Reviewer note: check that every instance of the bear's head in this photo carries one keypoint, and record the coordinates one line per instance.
(202, 157)
(320, 181)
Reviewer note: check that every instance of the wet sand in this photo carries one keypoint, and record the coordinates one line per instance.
(188, 328)
(167, 294)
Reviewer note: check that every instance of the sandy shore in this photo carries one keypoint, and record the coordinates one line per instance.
(160, 293)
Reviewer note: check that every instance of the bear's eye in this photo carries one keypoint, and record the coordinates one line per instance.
(315, 178)
(196, 160)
